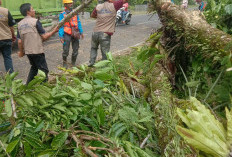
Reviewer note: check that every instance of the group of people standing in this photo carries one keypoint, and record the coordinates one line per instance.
(201, 4)
(31, 34)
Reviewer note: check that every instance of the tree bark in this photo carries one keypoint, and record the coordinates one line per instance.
(71, 14)
(193, 25)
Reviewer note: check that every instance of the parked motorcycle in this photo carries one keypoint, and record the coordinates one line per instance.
(119, 17)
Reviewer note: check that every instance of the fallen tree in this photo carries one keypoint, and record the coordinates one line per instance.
(192, 24)
(71, 14)
(188, 39)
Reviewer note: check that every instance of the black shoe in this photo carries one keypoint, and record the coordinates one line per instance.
(90, 65)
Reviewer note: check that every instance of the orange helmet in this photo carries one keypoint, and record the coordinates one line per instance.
(67, 1)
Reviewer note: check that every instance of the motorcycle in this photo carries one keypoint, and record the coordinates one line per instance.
(119, 17)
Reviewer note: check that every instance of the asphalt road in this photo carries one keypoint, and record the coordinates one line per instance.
(125, 36)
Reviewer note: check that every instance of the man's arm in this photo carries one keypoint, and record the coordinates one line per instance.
(80, 27)
(21, 51)
(61, 30)
(41, 31)
(47, 35)
(118, 4)
(94, 13)
(13, 34)
(11, 23)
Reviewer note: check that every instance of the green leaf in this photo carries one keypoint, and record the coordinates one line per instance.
(203, 120)
(12, 146)
(8, 107)
(45, 155)
(102, 63)
(85, 96)
(83, 127)
(228, 9)
(59, 140)
(192, 83)
(86, 86)
(8, 81)
(109, 56)
(147, 53)
(92, 122)
(59, 107)
(16, 132)
(101, 115)
(27, 149)
(146, 119)
(229, 125)
(41, 74)
(101, 75)
(34, 143)
(39, 127)
(157, 58)
(2, 96)
(13, 75)
(203, 143)
(127, 114)
(99, 82)
(97, 102)
(120, 131)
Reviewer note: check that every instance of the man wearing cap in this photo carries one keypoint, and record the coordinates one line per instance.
(7, 35)
(70, 33)
(105, 26)
(30, 36)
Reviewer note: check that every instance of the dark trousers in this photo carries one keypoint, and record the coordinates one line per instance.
(38, 62)
(75, 46)
(6, 49)
(102, 39)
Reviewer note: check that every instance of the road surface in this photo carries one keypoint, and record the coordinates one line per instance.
(125, 36)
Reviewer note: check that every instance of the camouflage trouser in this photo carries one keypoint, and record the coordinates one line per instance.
(104, 40)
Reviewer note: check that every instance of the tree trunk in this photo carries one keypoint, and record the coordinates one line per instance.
(71, 14)
(192, 25)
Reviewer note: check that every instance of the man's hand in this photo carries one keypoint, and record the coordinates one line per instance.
(56, 29)
(14, 39)
(62, 40)
(82, 36)
(20, 54)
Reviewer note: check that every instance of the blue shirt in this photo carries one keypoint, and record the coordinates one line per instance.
(61, 30)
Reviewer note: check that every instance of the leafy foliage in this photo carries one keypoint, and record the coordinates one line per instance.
(219, 14)
(204, 131)
(76, 116)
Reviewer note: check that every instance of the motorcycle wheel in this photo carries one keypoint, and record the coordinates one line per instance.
(128, 22)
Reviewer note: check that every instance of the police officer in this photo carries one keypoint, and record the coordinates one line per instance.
(30, 36)
(67, 33)
(7, 35)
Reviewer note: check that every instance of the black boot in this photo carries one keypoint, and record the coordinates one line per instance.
(74, 60)
(65, 62)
